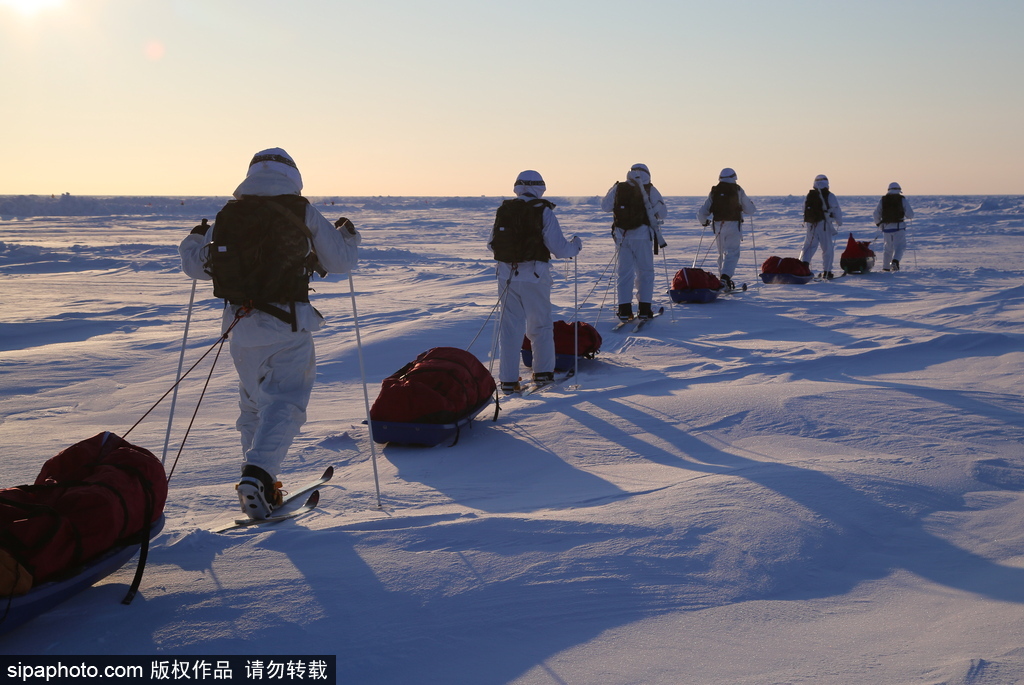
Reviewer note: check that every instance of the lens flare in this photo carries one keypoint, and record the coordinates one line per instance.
(31, 7)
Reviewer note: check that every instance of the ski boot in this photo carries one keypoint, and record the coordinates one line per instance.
(626, 312)
(258, 492)
(727, 281)
(895, 265)
(543, 378)
(645, 311)
(509, 387)
(826, 275)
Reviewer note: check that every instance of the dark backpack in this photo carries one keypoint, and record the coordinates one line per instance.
(814, 206)
(725, 202)
(518, 231)
(262, 253)
(629, 211)
(892, 208)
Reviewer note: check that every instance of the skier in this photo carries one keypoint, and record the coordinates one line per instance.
(525, 236)
(821, 216)
(634, 235)
(271, 342)
(889, 215)
(724, 208)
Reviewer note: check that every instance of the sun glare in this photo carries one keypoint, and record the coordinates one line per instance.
(30, 7)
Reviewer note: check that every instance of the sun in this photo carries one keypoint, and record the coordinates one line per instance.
(31, 7)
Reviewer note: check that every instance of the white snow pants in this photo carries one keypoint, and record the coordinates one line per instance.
(895, 242)
(728, 237)
(635, 264)
(274, 385)
(525, 309)
(819, 233)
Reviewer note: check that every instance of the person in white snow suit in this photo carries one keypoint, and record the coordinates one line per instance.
(890, 215)
(636, 240)
(525, 236)
(822, 215)
(268, 316)
(723, 211)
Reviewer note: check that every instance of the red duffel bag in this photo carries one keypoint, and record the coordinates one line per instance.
(785, 265)
(689, 278)
(566, 338)
(440, 386)
(95, 495)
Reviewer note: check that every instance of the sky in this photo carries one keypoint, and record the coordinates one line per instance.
(456, 97)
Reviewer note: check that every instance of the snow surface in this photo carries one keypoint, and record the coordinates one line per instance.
(798, 484)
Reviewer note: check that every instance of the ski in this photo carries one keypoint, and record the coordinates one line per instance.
(735, 290)
(307, 506)
(290, 497)
(622, 324)
(531, 388)
(644, 322)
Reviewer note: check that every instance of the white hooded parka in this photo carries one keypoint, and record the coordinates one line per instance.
(276, 366)
(524, 291)
(727, 233)
(635, 255)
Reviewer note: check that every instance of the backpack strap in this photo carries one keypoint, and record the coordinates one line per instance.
(143, 535)
(824, 205)
(287, 317)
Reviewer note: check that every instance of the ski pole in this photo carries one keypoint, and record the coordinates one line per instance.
(912, 247)
(576, 316)
(181, 364)
(499, 305)
(496, 339)
(597, 283)
(366, 394)
(668, 281)
(753, 243)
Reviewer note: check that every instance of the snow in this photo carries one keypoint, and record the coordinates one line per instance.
(797, 484)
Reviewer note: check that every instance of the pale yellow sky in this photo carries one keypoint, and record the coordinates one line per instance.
(455, 97)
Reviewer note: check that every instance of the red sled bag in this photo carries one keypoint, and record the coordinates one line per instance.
(694, 279)
(785, 270)
(440, 386)
(695, 286)
(94, 496)
(566, 339)
(858, 257)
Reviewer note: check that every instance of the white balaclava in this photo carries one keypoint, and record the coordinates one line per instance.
(821, 182)
(275, 161)
(894, 188)
(529, 183)
(639, 174)
(727, 175)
